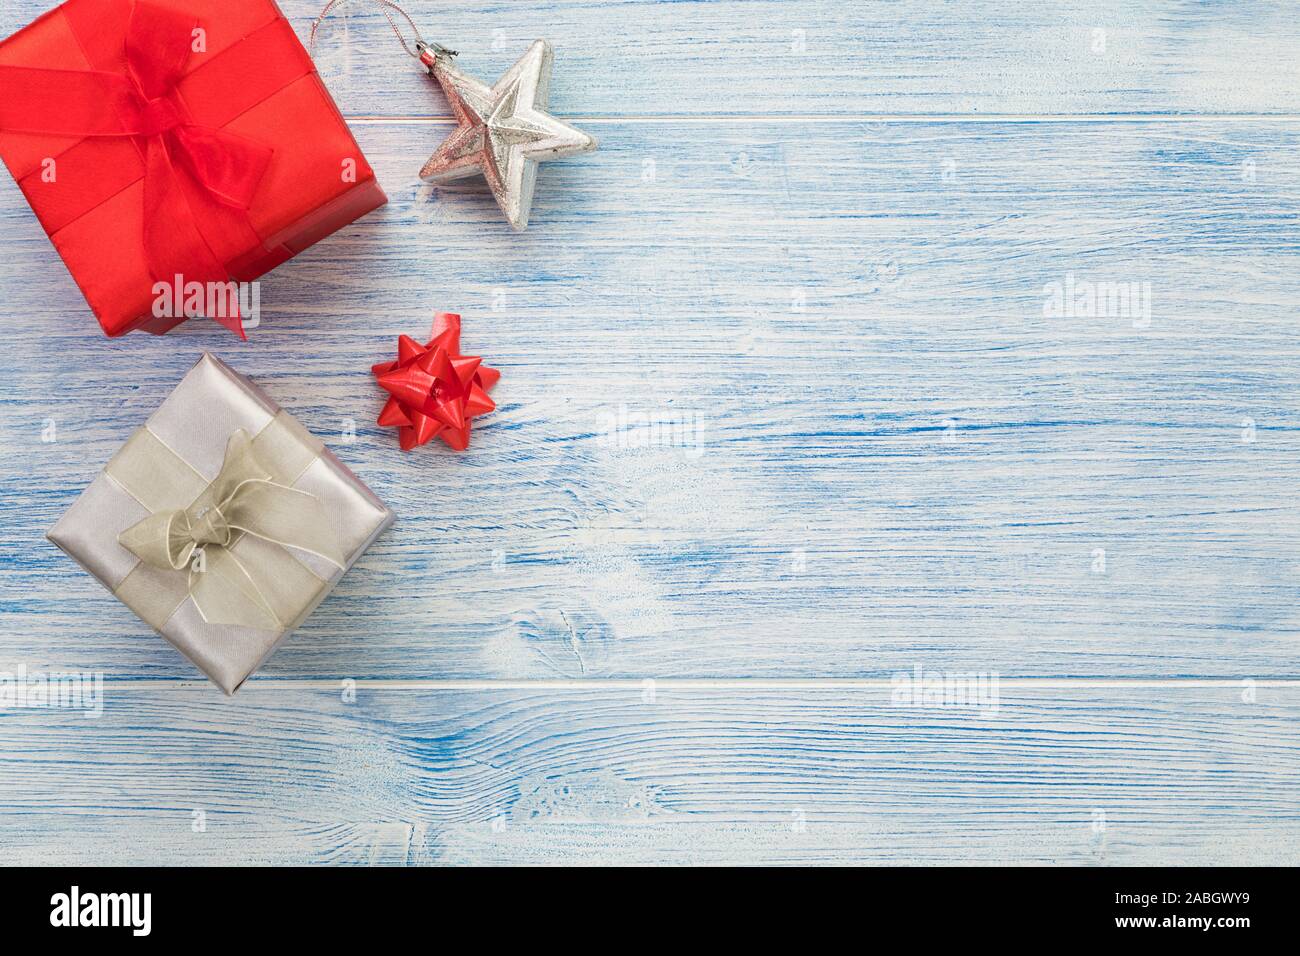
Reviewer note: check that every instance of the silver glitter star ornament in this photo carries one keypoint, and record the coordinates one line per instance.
(502, 131)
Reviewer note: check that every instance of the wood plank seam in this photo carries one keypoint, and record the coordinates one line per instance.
(850, 118)
(688, 683)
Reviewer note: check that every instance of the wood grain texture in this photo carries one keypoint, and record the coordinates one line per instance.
(614, 773)
(887, 454)
(827, 57)
(738, 57)
(899, 459)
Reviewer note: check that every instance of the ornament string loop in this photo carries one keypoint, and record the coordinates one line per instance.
(422, 49)
(503, 130)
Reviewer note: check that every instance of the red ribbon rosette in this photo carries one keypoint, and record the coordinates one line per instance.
(433, 390)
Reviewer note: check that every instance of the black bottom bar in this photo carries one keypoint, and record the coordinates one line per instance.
(335, 906)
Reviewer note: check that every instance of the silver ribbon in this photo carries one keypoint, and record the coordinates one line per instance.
(242, 499)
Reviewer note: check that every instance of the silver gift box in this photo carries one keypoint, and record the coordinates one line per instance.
(168, 465)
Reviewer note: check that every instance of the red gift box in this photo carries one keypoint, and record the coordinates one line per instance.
(174, 138)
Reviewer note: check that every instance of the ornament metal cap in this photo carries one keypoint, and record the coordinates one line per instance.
(429, 53)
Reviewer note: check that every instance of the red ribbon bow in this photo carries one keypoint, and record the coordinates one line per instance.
(434, 391)
(144, 103)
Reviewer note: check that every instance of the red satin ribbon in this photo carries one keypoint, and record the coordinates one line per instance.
(144, 103)
(433, 390)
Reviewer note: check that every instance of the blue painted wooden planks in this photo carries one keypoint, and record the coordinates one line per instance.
(802, 413)
(750, 772)
(788, 395)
